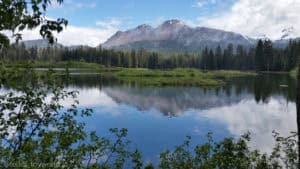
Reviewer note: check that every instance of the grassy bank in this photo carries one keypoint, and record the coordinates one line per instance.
(75, 65)
(146, 77)
(180, 76)
(79, 65)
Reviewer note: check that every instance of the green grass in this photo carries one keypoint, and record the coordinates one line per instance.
(79, 65)
(37, 64)
(147, 77)
(179, 76)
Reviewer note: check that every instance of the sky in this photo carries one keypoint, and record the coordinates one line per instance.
(92, 22)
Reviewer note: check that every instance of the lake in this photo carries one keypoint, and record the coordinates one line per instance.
(160, 118)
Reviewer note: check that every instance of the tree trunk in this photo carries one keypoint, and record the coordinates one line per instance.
(298, 110)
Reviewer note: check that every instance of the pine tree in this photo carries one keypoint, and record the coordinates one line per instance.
(219, 58)
(259, 55)
(268, 55)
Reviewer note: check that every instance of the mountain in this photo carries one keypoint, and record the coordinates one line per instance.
(175, 34)
(282, 43)
(43, 43)
(39, 43)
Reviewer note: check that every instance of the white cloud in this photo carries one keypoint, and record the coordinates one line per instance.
(74, 35)
(202, 3)
(199, 4)
(91, 97)
(84, 5)
(71, 5)
(114, 22)
(257, 17)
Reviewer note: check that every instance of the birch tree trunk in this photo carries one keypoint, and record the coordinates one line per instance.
(298, 110)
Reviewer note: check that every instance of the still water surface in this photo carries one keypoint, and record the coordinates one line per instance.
(160, 118)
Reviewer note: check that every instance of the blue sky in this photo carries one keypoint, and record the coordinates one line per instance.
(135, 12)
(92, 22)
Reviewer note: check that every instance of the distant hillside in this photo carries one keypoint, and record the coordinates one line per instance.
(43, 43)
(40, 43)
(283, 42)
(176, 35)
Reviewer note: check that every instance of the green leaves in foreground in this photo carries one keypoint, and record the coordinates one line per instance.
(19, 15)
(4, 41)
(39, 130)
(36, 129)
(232, 154)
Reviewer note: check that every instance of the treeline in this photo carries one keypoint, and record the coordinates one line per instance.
(263, 57)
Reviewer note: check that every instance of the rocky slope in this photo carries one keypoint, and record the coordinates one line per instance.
(174, 34)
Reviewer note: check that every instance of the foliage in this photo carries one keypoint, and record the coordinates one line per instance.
(37, 129)
(17, 15)
(4, 41)
(232, 154)
(294, 72)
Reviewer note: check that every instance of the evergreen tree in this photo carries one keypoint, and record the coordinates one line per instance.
(259, 56)
(268, 55)
(219, 57)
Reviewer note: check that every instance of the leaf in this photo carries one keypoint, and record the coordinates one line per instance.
(4, 41)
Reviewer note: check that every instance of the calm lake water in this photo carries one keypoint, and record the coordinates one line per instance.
(160, 118)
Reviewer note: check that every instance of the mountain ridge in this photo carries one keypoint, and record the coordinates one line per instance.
(176, 35)
(172, 35)
(177, 32)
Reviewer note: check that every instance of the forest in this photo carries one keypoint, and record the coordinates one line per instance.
(263, 57)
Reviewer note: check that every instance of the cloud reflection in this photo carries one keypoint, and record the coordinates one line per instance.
(259, 119)
(91, 97)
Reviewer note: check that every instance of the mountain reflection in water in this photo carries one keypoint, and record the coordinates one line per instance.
(256, 104)
(176, 100)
